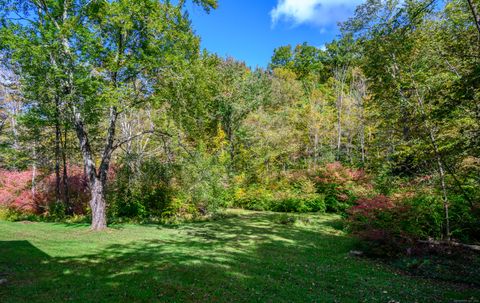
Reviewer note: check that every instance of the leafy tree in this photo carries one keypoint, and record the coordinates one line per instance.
(104, 56)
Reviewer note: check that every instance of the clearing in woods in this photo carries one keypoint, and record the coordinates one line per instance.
(243, 257)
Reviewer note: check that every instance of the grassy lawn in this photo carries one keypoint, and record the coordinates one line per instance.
(249, 257)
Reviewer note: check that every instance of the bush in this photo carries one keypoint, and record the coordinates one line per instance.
(299, 204)
(253, 198)
(279, 200)
(331, 188)
(464, 219)
(142, 193)
(391, 226)
(204, 183)
(15, 215)
(341, 185)
(337, 200)
(155, 191)
(16, 192)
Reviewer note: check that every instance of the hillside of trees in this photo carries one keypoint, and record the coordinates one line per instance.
(111, 112)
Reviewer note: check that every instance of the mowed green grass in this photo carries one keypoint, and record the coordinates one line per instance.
(249, 257)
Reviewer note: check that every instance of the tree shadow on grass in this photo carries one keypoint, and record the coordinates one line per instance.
(234, 260)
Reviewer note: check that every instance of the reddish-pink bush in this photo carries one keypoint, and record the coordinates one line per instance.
(17, 192)
(337, 173)
(369, 207)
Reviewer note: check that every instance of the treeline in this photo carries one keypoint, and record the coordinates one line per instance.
(382, 125)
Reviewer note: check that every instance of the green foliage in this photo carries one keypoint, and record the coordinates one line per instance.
(393, 227)
(289, 200)
(142, 194)
(305, 60)
(384, 180)
(13, 215)
(465, 219)
(397, 95)
(282, 57)
(156, 191)
(300, 203)
(56, 211)
(337, 200)
(203, 181)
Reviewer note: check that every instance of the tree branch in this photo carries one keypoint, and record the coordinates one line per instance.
(139, 134)
(108, 149)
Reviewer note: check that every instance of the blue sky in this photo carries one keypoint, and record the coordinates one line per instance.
(249, 30)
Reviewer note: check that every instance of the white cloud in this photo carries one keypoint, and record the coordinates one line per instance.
(318, 12)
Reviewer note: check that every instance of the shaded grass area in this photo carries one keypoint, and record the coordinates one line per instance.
(248, 257)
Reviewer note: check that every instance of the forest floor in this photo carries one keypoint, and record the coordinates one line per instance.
(244, 257)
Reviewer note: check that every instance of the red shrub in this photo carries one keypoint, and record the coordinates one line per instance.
(16, 190)
(336, 173)
(369, 207)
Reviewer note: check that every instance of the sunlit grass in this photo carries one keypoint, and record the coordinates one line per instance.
(245, 257)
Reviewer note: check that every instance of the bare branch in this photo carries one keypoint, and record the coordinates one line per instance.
(139, 134)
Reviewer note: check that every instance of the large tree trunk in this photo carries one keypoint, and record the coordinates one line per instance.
(96, 179)
(98, 205)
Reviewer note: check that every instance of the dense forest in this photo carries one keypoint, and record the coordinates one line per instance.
(110, 112)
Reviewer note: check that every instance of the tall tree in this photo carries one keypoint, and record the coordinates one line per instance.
(106, 57)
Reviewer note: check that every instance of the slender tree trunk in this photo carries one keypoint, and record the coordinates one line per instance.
(13, 124)
(440, 165)
(57, 150)
(350, 147)
(231, 143)
(358, 92)
(438, 157)
(66, 194)
(340, 74)
(339, 125)
(444, 193)
(3, 115)
(34, 170)
(362, 143)
(3, 118)
(441, 170)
